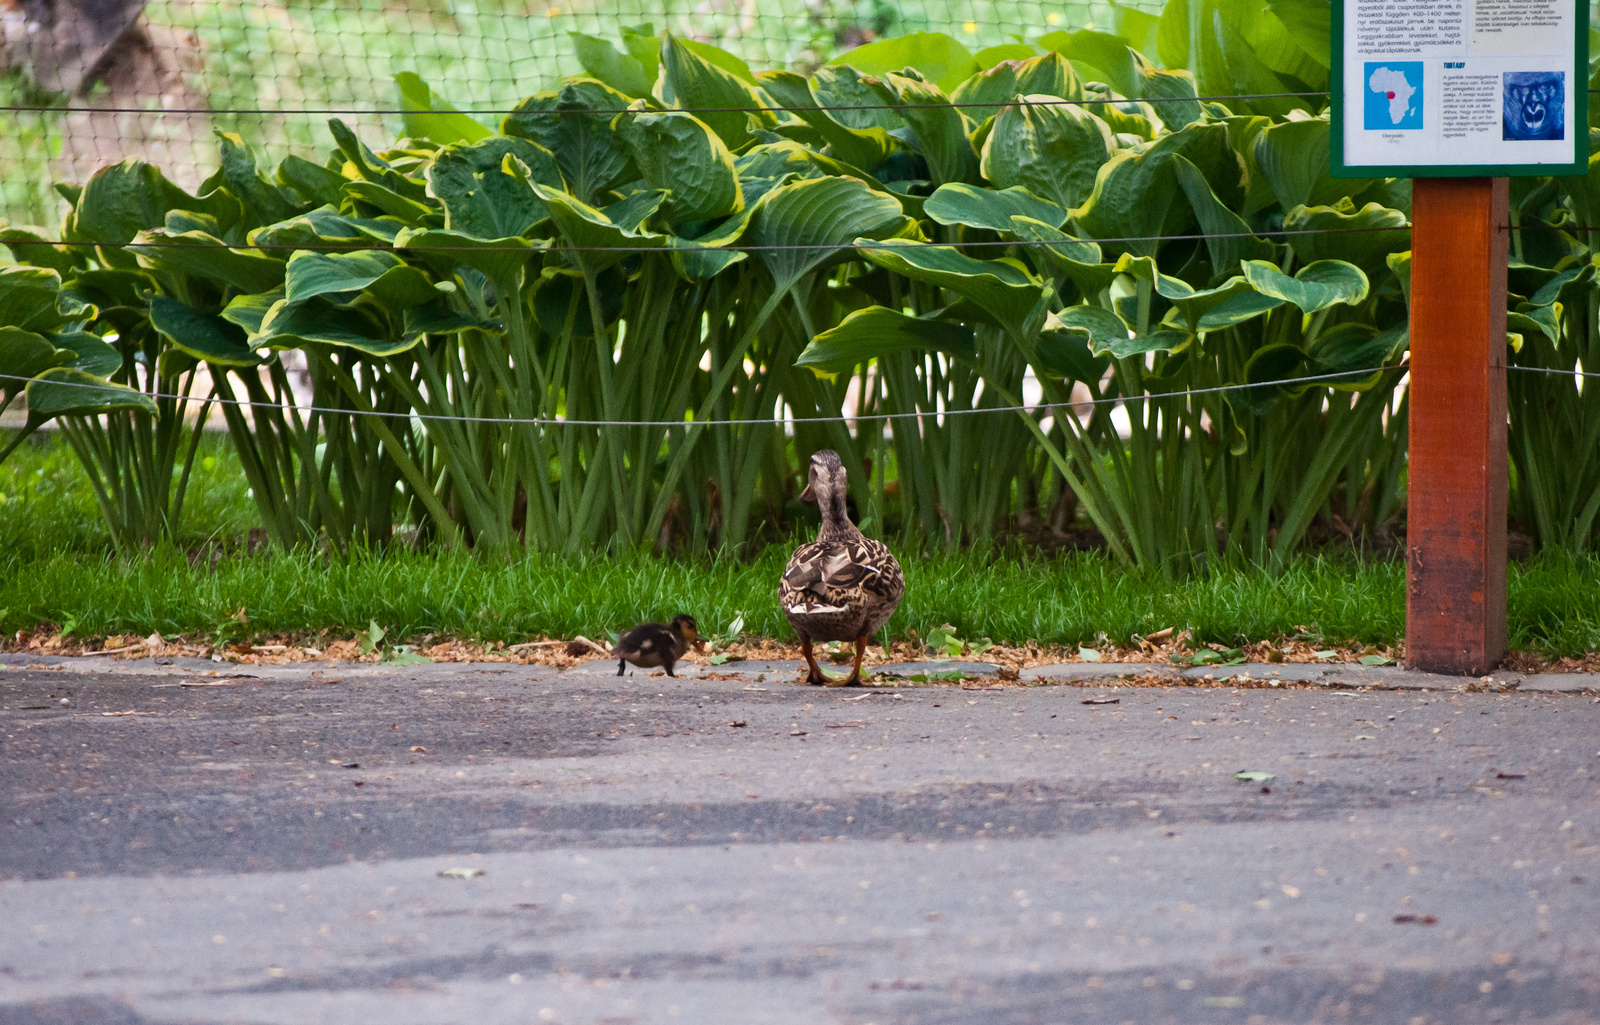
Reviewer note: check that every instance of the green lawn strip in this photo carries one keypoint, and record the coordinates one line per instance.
(1009, 598)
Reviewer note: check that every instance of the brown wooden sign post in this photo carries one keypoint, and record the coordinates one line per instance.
(1456, 516)
(1457, 97)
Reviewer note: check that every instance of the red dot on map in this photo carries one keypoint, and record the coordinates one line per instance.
(1391, 95)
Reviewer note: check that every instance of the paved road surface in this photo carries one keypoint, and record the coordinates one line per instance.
(743, 850)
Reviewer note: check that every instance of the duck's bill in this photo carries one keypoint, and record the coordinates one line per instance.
(806, 608)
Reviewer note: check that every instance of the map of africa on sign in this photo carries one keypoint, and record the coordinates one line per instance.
(1394, 95)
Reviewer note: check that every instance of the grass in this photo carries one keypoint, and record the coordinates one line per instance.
(57, 563)
(48, 508)
(1065, 599)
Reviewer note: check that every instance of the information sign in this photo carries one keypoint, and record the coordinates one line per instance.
(1449, 88)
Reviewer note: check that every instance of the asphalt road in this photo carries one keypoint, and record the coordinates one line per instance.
(179, 847)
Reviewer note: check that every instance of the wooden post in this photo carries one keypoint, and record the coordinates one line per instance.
(1456, 518)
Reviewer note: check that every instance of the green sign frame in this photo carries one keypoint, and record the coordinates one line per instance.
(1580, 120)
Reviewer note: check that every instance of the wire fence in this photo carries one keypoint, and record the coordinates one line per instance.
(1038, 409)
(86, 83)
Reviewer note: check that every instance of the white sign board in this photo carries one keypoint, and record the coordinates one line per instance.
(1459, 87)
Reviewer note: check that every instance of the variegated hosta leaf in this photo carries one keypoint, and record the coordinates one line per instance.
(816, 218)
(680, 154)
(1052, 151)
(876, 331)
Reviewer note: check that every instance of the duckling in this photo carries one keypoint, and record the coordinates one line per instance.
(650, 644)
(843, 586)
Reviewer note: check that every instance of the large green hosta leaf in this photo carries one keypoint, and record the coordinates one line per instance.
(92, 354)
(1200, 309)
(481, 196)
(1101, 55)
(621, 71)
(122, 200)
(1052, 151)
(723, 100)
(428, 116)
(1069, 340)
(317, 321)
(1134, 192)
(982, 95)
(1314, 287)
(942, 132)
(595, 241)
(499, 259)
(264, 201)
(959, 203)
(206, 256)
(37, 247)
(1293, 157)
(1108, 58)
(1334, 240)
(937, 57)
(1001, 288)
(24, 355)
(65, 391)
(1228, 236)
(343, 276)
(574, 123)
(704, 256)
(680, 154)
(1356, 349)
(877, 331)
(819, 217)
(852, 100)
(31, 298)
(1309, 23)
(362, 163)
(1060, 253)
(317, 184)
(212, 339)
(864, 147)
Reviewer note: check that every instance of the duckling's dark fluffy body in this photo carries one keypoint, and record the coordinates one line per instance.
(649, 645)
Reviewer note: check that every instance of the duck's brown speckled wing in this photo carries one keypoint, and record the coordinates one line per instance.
(844, 587)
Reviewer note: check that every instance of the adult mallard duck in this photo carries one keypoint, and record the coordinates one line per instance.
(650, 644)
(843, 586)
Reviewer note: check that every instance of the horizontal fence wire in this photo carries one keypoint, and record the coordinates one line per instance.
(1041, 407)
(1552, 370)
(1020, 101)
(691, 246)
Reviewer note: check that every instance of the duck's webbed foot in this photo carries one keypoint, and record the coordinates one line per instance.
(854, 679)
(621, 665)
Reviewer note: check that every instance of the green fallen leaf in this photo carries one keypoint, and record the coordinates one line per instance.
(717, 660)
(1255, 777)
(1375, 660)
(1089, 654)
(402, 655)
(1328, 653)
(462, 873)
(371, 637)
(946, 676)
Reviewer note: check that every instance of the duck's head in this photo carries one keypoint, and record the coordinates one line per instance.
(828, 484)
(685, 627)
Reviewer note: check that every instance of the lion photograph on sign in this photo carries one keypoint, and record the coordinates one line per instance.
(1534, 106)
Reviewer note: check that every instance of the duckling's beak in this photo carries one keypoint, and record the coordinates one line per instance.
(808, 495)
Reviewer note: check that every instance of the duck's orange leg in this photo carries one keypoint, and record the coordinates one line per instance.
(814, 677)
(854, 679)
